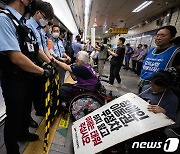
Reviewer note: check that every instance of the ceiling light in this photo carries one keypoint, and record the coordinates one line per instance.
(106, 31)
(142, 6)
(86, 16)
(95, 24)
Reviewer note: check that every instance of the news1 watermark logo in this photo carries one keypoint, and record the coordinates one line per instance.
(170, 145)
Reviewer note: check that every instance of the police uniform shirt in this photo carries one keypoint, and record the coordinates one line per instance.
(9, 37)
(33, 25)
(58, 47)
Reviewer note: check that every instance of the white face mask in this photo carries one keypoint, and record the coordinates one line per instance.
(43, 22)
(55, 35)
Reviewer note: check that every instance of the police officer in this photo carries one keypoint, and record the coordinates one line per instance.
(18, 52)
(58, 45)
(59, 51)
(46, 34)
(42, 13)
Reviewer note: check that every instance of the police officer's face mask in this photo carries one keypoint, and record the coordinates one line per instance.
(43, 22)
(55, 34)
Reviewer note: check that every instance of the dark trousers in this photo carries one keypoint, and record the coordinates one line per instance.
(38, 94)
(127, 62)
(68, 91)
(139, 66)
(134, 65)
(114, 73)
(17, 95)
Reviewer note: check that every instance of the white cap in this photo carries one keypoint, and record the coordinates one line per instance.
(83, 55)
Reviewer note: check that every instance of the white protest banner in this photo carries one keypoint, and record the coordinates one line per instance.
(115, 122)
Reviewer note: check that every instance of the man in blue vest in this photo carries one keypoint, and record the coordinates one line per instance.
(163, 56)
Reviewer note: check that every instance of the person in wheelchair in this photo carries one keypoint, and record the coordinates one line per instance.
(160, 96)
(81, 72)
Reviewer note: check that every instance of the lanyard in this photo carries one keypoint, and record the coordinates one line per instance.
(58, 49)
(39, 30)
(160, 97)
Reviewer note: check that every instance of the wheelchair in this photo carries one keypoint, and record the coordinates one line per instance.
(86, 101)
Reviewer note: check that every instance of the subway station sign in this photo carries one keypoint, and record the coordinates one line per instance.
(118, 30)
(115, 122)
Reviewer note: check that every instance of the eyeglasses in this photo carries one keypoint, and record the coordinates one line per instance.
(160, 35)
(43, 15)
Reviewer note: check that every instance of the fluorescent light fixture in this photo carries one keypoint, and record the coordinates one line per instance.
(86, 17)
(145, 35)
(95, 24)
(142, 6)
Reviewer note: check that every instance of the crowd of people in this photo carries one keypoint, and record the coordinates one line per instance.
(31, 48)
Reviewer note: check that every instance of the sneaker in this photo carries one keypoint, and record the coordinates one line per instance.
(28, 137)
(176, 131)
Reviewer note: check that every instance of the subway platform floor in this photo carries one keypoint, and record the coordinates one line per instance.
(61, 145)
(62, 139)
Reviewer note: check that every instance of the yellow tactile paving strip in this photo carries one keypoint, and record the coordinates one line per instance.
(37, 146)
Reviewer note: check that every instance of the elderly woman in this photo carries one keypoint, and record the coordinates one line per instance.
(81, 72)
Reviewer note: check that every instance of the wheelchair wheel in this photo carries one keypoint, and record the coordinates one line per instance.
(84, 104)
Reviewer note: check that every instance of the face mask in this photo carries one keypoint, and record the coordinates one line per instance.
(55, 35)
(43, 22)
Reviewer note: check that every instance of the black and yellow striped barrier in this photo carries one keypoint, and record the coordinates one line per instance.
(57, 81)
(47, 106)
(52, 103)
(49, 125)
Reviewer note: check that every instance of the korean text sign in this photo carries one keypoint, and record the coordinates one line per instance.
(115, 122)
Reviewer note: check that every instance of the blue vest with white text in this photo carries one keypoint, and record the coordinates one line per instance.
(156, 62)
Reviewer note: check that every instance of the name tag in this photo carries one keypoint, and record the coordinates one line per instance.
(30, 47)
